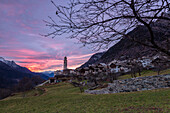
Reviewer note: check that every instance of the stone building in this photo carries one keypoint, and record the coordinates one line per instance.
(65, 63)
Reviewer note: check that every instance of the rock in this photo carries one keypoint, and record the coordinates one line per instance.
(134, 84)
(144, 89)
(167, 76)
(110, 89)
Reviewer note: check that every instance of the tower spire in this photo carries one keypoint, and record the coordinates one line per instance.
(65, 63)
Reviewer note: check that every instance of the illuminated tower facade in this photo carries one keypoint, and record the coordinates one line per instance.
(65, 63)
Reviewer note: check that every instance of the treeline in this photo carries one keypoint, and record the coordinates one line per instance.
(24, 84)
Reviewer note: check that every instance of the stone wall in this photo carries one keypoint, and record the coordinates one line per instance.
(135, 84)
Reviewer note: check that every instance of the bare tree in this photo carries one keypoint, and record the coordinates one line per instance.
(101, 22)
(160, 64)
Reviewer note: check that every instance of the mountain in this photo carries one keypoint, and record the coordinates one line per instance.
(126, 48)
(13, 65)
(10, 63)
(48, 73)
(10, 76)
(11, 73)
(92, 59)
(43, 76)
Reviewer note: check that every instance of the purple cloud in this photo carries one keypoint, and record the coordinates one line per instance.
(21, 23)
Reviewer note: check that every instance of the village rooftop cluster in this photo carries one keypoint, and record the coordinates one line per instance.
(115, 68)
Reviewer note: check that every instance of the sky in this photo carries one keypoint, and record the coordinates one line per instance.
(21, 23)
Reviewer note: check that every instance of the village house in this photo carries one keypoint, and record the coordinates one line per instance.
(115, 66)
(146, 62)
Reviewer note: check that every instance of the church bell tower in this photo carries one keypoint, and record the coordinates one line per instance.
(65, 63)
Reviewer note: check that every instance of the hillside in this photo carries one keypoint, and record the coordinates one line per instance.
(11, 73)
(10, 76)
(92, 59)
(128, 48)
(64, 98)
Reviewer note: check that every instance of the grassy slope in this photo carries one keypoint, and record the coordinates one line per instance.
(65, 98)
(146, 73)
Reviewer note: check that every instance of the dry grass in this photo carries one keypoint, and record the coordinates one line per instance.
(64, 98)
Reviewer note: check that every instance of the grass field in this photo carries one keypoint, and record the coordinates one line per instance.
(146, 73)
(64, 98)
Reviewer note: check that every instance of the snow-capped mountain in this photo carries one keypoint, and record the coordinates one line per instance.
(15, 66)
(12, 72)
(10, 63)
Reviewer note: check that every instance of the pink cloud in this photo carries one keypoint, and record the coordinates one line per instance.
(25, 26)
(39, 65)
(21, 24)
(41, 61)
(13, 9)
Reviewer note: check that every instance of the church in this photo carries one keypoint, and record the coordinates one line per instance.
(61, 75)
(66, 71)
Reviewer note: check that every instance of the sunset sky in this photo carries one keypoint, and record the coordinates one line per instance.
(21, 23)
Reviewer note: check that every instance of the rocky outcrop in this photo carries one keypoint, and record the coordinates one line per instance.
(135, 84)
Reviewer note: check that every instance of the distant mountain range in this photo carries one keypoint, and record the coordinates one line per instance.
(127, 48)
(11, 73)
(48, 73)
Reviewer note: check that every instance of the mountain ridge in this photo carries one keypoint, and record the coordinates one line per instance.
(92, 59)
(11, 73)
(126, 48)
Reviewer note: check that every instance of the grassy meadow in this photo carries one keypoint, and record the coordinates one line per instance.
(64, 98)
(146, 73)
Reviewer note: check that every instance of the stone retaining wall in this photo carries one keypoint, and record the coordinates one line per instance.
(135, 84)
